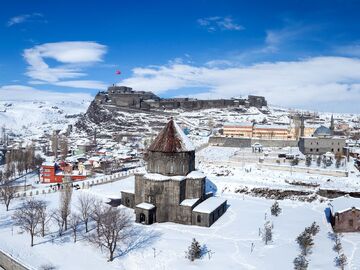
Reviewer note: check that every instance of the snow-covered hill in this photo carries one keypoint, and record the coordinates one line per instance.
(28, 112)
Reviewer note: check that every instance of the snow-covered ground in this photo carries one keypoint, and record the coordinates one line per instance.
(31, 113)
(230, 174)
(229, 239)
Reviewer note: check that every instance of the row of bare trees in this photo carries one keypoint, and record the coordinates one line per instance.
(18, 161)
(113, 226)
(21, 160)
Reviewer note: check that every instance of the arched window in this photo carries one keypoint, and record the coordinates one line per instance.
(142, 217)
(198, 219)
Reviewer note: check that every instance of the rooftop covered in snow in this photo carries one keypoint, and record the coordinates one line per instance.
(209, 205)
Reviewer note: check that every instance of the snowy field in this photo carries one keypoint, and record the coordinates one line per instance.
(229, 239)
(219, 165)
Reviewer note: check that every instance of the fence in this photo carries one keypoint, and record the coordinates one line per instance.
(83, 184)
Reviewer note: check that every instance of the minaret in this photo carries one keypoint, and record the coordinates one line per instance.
(302, 126)
(332, 125)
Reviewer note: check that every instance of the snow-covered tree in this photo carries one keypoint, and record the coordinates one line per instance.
(300, 263)
(341, 261)
(308, 161)
(194, 251)
(313, 229)
(267, 233)
(275, 209)
(305, 242)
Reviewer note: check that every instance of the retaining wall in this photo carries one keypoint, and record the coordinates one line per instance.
(9, 263)
(247, 142)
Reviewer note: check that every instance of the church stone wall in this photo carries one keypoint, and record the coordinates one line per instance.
(195, 188)
(171, 163)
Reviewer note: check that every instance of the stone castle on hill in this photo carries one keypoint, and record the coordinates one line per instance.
(126, 97)
(170, 189)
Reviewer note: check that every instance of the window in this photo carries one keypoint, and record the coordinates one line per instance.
(127, 201)
(311, 149)
(317, 149)
(332, 149)
(198, 218)
(171, 168)
(351, 222)
(338, 150)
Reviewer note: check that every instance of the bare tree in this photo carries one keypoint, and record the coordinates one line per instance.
(7, 191)
(64, 147)
(65, 203)
(75, 221)
(44, 217)
(114, 228)
(56, 216)
(86, 203)
(28, 219)
(97, 214)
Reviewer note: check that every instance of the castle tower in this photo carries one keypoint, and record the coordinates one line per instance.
(332, 127)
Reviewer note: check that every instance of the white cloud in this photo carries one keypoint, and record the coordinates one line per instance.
(275, 38)
(215, 23)
(349, 50)
(24, 18)
(27, 93)
(72, 58)
(89, 84)
(307, 83)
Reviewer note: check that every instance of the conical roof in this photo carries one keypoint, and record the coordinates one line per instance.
(171, 139)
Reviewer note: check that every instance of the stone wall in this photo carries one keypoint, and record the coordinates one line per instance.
(229, 141)
(171, 163)
(128, 199)
(320, 145)
(347, 221)
(195, 188)
(247, 142)
(9, 263)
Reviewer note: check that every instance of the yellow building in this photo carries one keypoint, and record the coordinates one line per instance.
(238, 129)
(250, 130)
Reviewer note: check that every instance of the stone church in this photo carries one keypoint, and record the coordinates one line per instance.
(170, 189)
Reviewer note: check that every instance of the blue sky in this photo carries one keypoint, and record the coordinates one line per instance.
(301, 54)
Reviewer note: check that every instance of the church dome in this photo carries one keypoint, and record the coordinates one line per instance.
(322, 131)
